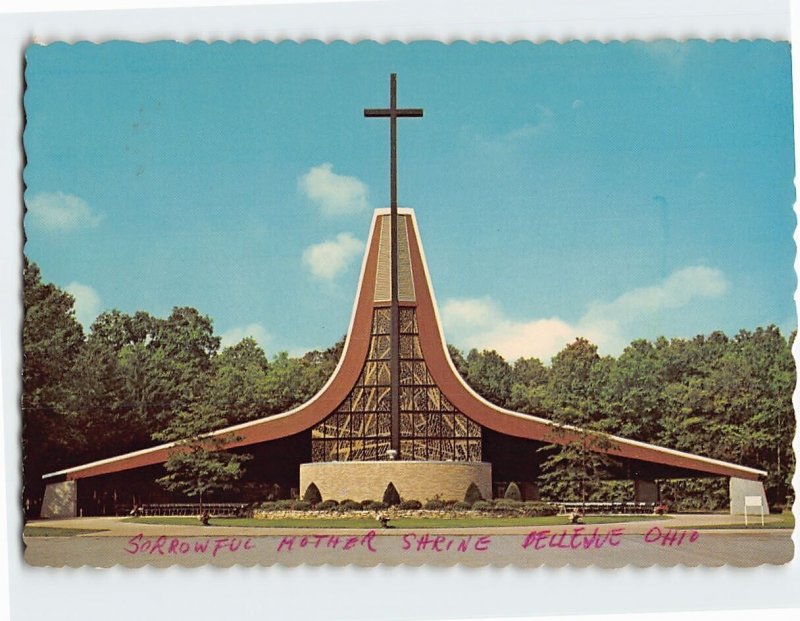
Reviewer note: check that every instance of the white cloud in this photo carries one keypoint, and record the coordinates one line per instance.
(544, 121)
(87, 303)
(254, 330)
(577, 104)
(56, 211)
(334, 194)
(330, 258)
(482, 324)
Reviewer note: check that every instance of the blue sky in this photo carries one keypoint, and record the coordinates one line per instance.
(613, 191)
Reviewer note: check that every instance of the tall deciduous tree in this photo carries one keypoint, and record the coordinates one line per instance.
(198, 465)
(52, 340)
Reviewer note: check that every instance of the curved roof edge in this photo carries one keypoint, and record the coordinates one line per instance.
(434, 348)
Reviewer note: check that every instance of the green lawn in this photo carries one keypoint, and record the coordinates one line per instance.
(368, 522)
(786, 520)
(50, 531)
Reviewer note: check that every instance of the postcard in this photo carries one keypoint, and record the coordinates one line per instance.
(237, 349)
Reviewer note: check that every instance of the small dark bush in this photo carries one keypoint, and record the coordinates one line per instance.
(349, 505)
(534, 508)
(512, 492)
(434, 505)
(312, 495)
(283, 505)
(268, 506)
(391, 496)
(473, 494)
(410, 505)
(450, 503)
(301, 505)
(366, 503)
(376, 506)
(482, 505)
(462, 506)
(326, 505)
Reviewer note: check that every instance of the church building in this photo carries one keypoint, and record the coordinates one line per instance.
(395, 410)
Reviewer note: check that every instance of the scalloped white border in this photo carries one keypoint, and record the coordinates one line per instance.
(427, 593)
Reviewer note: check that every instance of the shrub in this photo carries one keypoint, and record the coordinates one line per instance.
(482, 505)
(376, 506)
(300, 505)
(391, 497)
(349, 505)
(366, 503)
(410, 505)
(312, 495)
(512, 492)
(283, 505)
(326, 505)
(462, 506)
(473, 494)
(434, 504)
(450, 503)
(539, 509)
(268, 506)
(506, 504)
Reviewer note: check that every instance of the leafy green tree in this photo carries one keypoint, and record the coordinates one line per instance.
(198, 465)
(490, 375)
(52, 340)
(238, 382)
(577, 460)
(458, 360)
(529, 387)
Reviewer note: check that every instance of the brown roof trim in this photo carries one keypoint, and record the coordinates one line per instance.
(443, 371)
(441, 367)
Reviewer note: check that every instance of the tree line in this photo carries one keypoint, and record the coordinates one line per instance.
(135, 379)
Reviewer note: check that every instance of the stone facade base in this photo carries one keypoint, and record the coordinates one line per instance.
(60, 500)
(414, 480)
(739, 488)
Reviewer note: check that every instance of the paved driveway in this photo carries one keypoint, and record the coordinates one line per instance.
(664, 542)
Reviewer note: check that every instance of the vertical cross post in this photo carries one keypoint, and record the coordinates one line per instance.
(393, 113)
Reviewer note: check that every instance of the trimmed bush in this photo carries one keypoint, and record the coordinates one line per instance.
(300, 505)
(535, 508)
(473, 494)
(450, 503)
(270, 505)
(434, 505)
(312, 495)
(507, 505)
(326, 505)
(391, 496)
(283, 505)
(482, 505)
(410, 505)
(366, 503)
(376, 506)
(512, 492)
(349, 505)
(462, 506)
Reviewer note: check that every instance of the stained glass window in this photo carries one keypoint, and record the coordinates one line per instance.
(431, 428)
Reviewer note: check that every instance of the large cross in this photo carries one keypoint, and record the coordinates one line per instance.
(393, 113)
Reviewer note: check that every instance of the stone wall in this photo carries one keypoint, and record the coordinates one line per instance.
(414, 480)
(60, 500)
